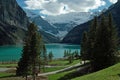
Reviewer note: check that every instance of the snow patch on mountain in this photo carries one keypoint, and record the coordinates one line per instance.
(77, 17)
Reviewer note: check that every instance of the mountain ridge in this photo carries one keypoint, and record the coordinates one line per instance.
(10, 25)
(14, 23)
(74, 36)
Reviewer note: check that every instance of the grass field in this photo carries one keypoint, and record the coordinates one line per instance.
(6, 74)
(8, 65)
(58, 64)
(58, 75)
(54, 63)
(111, 73)
(63, 62)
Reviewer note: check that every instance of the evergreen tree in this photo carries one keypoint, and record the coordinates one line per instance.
(45, 59)
(92, 38)
(24, 67)
(106, 45)
(101, 43)
(76, 54)
(70, 56)
(31, 53)
(65, 53)
(50, 56)
(84, 48)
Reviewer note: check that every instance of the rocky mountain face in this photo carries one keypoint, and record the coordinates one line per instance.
(13, 24)
(74, 36)
(44, 25)
(11, 13)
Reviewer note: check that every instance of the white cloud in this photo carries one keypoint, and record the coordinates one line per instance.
(57, 7)
(113, 1)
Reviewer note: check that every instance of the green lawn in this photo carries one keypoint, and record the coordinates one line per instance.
(7, 65)
(63, 62)
(60, 63)
(111, 73)
(6, 74)
(54, 63)
(58, 75)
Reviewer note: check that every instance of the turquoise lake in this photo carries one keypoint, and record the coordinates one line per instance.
(13, 53)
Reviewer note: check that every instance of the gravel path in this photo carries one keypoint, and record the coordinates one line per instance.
(80, 66)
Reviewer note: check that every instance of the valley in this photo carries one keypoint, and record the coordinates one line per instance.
(59, 39)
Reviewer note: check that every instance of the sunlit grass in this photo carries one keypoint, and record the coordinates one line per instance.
(111, 73)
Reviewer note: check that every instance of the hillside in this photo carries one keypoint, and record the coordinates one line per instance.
(111, 73)
(13, 22)
(44, 25)
(49, 38)
(74, 36)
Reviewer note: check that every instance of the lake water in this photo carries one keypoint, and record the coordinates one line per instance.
(13, 53)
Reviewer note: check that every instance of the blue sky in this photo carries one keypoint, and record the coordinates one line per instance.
(58, 7)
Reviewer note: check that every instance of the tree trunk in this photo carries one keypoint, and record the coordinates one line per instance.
(26, 78)
(34, 76)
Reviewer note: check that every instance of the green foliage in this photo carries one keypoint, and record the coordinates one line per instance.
(24, 63)
(84, 46)
(101, 44)
(50, 56)
(69, 55)
(106, 44)
(32, 51)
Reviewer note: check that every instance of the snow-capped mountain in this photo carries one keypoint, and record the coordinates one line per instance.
(56, 25)
(76, 17)
(65, 22)
(59, 25)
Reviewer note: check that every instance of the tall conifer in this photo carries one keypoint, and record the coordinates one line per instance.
(31, 53)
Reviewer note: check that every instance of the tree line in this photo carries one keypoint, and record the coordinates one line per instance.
(70, 56)
(100, 43)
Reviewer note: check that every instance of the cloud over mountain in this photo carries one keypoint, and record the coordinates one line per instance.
(113, 1)
(57, 7)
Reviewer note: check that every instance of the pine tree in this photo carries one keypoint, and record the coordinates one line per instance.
(44, 59)
(70, 56)
(31, 53)
(102, 44)
(92, 38)
(24, 67)
(84, 48)
(65, 53)
(76, 54)
(113, 40)
(106, 45)
(50, 56)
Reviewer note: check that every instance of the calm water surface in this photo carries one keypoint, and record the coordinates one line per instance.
(13, 53)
